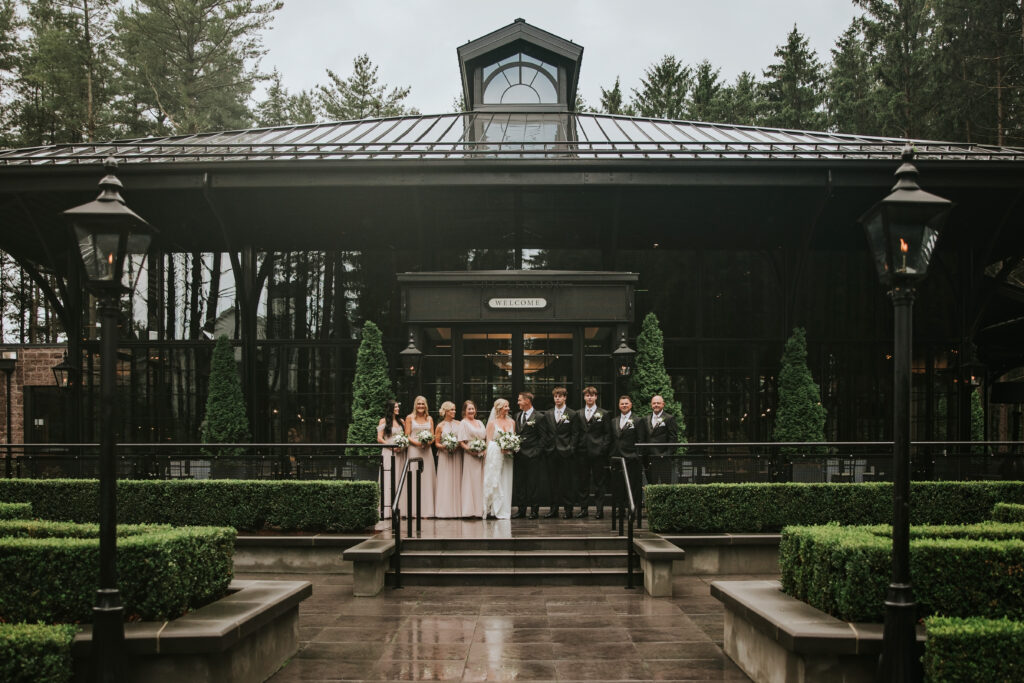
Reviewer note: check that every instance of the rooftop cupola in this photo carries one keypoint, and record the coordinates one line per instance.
(520, 68)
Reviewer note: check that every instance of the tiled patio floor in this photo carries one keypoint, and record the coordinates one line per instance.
(502, 633)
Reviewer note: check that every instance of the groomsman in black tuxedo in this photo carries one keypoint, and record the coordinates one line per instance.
(562, 432)
(658, 427)
(591, 461)
(529, 461)
(623, 435)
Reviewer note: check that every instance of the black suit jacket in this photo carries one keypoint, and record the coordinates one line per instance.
(531, 435)
(667, 431)
(593, 435)
(622, 442)
(562, 437)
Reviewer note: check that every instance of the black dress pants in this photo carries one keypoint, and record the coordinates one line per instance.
(591, 469)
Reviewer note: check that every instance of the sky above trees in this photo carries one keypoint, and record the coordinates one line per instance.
(414, 43)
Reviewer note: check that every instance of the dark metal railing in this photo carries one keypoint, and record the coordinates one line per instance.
(627, 508)
(396, 518)
(830, 461)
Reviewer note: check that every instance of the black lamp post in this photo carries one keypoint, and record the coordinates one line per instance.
(8, 360)
(622, 357)
(106, 231)
(902, 231)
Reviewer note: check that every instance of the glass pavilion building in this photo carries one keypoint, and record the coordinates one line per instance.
(516, 242)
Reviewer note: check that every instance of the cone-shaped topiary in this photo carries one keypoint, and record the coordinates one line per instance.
(226, 420)
(800, 417)
(650, 378)
(371, 389)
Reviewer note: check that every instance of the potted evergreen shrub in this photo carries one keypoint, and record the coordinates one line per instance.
(371, 390)
(800, 416)
(226, 420)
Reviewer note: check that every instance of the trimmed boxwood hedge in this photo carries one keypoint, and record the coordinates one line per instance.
(36, 652)
(752, 508)
(51, 570)
(973, 649)
(331, 506)
(970, 570)
(1008, 512)
(15, 511)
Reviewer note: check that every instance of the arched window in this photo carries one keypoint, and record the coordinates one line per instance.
(520, 79)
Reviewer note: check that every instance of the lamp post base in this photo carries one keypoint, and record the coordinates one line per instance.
(899, 661)
(108, 636)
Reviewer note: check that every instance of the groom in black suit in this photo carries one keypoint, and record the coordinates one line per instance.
(529, 461)
(623, 436)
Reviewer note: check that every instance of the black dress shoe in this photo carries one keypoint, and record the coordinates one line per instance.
(566, 515)
(519, 514)
(551, 513)
(599, 514)
(581, 514)
(532, 515)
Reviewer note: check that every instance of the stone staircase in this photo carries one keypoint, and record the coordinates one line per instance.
(517, 561)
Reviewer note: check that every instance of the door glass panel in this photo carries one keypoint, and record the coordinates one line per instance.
(547, 363)
(487, 368)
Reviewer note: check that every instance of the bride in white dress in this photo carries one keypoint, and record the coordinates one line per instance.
(498, 466)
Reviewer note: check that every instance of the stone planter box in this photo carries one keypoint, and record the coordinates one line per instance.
(726, 553)
(244, 637)
(314, 554)
(776, 638)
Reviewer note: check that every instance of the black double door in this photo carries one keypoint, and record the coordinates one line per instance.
(491, 362)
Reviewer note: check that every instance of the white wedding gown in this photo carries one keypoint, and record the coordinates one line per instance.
(497, 482)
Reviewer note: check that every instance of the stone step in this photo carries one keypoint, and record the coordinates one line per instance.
(513, 559)
(610, 543)
(515, 577)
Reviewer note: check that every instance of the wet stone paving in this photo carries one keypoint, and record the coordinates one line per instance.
(504, 633)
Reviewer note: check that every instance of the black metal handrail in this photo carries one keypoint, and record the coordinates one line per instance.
(631, 512)
(396, 519)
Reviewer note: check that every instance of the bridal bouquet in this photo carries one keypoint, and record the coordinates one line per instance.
(508, 442)
(424, 436)
(477, 446)
(449, 441)
(401, 441)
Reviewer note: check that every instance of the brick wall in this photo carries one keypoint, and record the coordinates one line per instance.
(34, 368)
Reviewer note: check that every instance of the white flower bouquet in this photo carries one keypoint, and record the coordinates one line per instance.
(449, 441)
(401, 441)
(425, 437)
(508, 442)
(477, 446)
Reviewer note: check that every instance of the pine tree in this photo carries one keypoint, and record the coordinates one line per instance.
(850, 89)
(611, 101)
(225, 420)
(793, 86)
(361, 95)
(896, 34)
(280, 108)
(190, 65)
(977, 417)
(743, 101)
(664, 89)
(371, 389)
(650, 378)
(801, 416)
(706, 96)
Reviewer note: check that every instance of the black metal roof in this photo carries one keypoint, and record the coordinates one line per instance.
(502, 135)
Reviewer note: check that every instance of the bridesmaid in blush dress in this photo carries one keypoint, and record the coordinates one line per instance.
(448, 504)
(389, 426)
(418, 421)
(472, 462)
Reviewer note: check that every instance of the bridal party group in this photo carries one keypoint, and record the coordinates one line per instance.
(562, 458)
